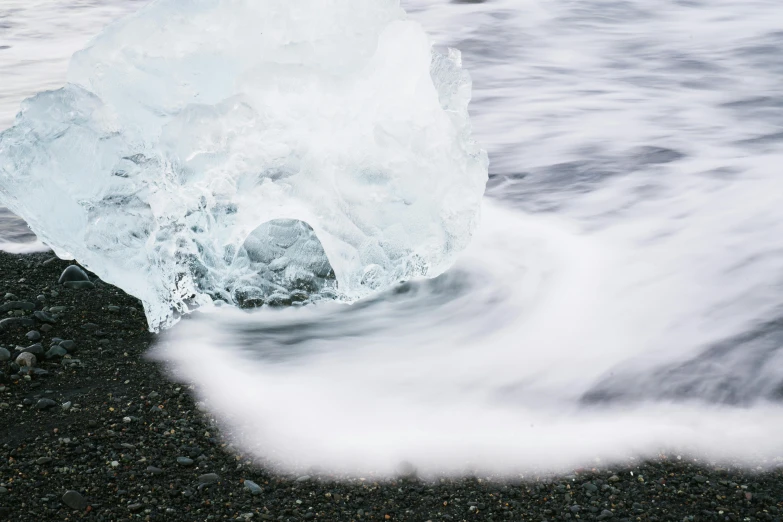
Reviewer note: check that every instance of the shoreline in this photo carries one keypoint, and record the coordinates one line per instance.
(115, 438)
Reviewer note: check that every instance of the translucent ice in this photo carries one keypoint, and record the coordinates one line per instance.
(251, 152)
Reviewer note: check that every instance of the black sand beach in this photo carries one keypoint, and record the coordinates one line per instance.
(94, 430)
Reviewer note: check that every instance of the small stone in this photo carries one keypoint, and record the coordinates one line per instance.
(605, 514)
(56, 351)
(57, 309)
(72, 363)
(40, 298)
(5, 355)
(113, 309)
(10, 297)
(79, 285)
(153, 395)
(700, 479)
(33, 336)
(68, 345)
(153, 470)
(66, 405)
(35, 349)
(3, 491)
(46, 328)
(44, 317)
(254, 488)
(50, 261)
(303, 478)
(74, 500)
(73, 274)
(43, 460)
(614, 478)
(184, 461)
(16, 321)
(45, 404)
(17, 305)
(133, 508)
(208, 478)
(26, 360)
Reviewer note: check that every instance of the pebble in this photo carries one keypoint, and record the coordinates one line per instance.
(56, 351)
(10, 297)
(17, 305)
(79, 285)
(303, 478)
(154, 470)
(5, 355)
(35, 349)
(72, 363)
(184, 461)
(44, 317)
(45, 404)
(26, 359)
(33, 335)
(43, 460)
(208, 478)
(605, 514)
(66, 405)
(254, 488)
(135, 507)
(72, 274)
(113, 309)
(3, 491)
(46, 328)
(16, 321)
(74, 500)
(68, 345)
(57, 309)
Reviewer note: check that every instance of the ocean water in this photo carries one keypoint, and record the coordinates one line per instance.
(623, 297)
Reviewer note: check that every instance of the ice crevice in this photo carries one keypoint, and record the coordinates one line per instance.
(251, 153)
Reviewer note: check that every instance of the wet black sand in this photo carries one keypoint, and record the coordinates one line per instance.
(102, 428)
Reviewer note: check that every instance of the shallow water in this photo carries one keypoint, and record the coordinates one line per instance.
(623, 296)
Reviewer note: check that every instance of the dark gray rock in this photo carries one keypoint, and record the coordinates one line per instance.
(74, 500)
(16, 321)
(17, 305)
(254, 488)
(35, 349)
(68, 345)
(184, 461)
(73, 274)
(33, 335)
(45, 404)
(133, 508)
(56, 351)
(153, 470)
(5, 355)
(79, 285)
(43, 460)
(208, 478)
(44, 317)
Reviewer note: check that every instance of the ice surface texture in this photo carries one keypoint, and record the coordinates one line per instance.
(209, 150)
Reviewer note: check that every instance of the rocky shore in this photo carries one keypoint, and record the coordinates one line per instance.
(90, 429)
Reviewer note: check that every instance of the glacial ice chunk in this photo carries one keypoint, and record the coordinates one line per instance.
(251, 152)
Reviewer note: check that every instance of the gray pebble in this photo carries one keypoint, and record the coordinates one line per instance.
(46, 327)
(113, 309)
(254, 488)
(3, 491)
(135, 507)
(44, 317)
(208, 478)
(154, 470)
(43, 460)
(5, 355)
(66, 405)
(79, 285)
(10, 297)
(35, 349)
(56, 351)
(14, 321)
(68, 345)
(73, 274)
(26, 360)
(33, 335)
(74, 500)
(184, 461)
(17, 305)
(45, 404)
(57, 309)
(303, 478)
(605, 514)
(72, 363)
